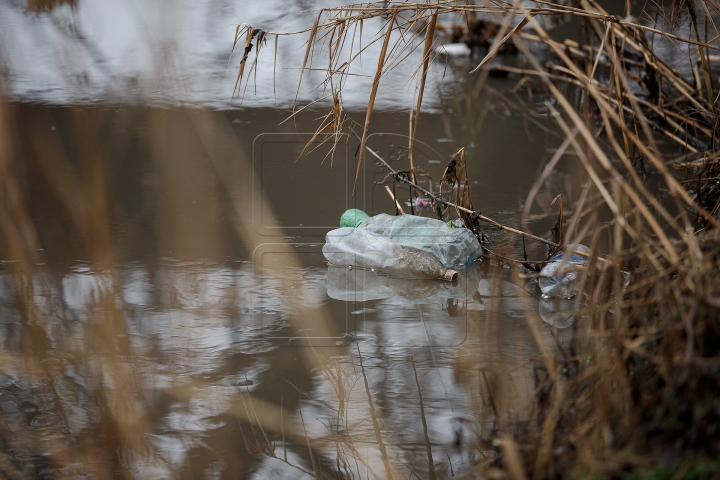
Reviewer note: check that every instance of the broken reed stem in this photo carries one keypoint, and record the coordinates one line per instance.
(397, 204)
(437, 199)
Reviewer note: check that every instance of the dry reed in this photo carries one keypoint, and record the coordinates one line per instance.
(635, 392)
(643, 397)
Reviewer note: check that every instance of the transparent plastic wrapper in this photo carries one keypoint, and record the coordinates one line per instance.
(558, 276)
(453, 247)
(358, 247)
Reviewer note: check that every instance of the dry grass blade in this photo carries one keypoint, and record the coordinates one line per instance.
(427, 50)
(277, 39)
(397, 204)
(462, 193)
(498, 45)
(310, 43)
(549, 168)
(557, 230)
(373, 93)
(332, 121)
(260, 36)
(249, 34)
(512, 459)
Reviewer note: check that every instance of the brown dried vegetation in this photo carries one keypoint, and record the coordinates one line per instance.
(643, 394)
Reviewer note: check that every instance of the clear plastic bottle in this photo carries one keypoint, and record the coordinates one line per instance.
(358, 247)
(560, 274)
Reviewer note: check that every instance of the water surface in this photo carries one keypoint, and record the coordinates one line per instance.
(166, 309)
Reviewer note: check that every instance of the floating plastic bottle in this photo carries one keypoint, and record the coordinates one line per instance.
(358, 247)
(558, 276)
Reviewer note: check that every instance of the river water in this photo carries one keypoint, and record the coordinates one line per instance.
(166, 311)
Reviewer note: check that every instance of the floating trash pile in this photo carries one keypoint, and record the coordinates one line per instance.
(405, 246)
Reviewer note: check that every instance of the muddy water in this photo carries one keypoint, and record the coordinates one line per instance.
(179, 299)
(166, 311)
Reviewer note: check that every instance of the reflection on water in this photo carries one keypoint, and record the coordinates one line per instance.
(359, 285)
(558, 312)
(130, 52)
(165, 311)
(187, 326)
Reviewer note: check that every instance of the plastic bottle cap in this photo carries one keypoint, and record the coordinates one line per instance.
(353, 218)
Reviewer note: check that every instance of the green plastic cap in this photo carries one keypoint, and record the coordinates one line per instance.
(353, 218)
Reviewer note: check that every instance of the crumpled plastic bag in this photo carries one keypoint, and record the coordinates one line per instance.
(454, 247)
